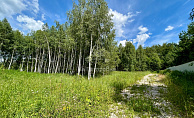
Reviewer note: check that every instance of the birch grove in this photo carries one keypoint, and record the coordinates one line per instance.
(81, 46)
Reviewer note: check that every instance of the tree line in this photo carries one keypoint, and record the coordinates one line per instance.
(84, 45)
(158, 57)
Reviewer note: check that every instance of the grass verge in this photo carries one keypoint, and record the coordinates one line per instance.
(181, 91)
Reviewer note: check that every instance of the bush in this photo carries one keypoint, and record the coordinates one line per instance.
(164, 71)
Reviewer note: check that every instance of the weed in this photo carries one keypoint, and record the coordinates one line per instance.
(143, 104)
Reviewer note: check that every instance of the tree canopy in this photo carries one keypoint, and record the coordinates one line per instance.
(83, 45)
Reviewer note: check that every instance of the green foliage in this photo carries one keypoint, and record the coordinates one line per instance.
(87, 38)
(159, 57)
(154, 62)
(87, 41)
(167, 54)
(7, 37)
(192, 15)
(127, 57)
(60, 95)
(121, 54)
(140, 59)
(181, 90)
(185, 48)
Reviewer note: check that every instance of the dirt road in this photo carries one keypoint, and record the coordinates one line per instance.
(147, 99)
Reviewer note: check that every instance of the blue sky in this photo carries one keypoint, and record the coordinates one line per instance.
(143, 22)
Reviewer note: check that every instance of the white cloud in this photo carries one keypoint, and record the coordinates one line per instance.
(43, 17)
(123, 42)
(169, 28)
(29, 23)
(131, 20)
(142, 29)
(165, 38)
(33, 6)
(142, 36)
(180, 25)
(138, 12)
(120, 20)
(11, 7)
(186, 2)
(141, 39)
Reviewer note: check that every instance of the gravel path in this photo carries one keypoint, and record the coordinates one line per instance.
(149, 89)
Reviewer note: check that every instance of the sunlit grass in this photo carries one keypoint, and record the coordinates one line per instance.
(60, 95)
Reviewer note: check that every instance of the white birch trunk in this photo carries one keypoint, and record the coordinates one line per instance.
(80, 53)
(54, 60)
(59, 67)
(96, 59)
(83, 66)
(90, 59)
(27, 64)
(79, 66)
(39, 62)
(49, 64)
(67, 64)
(42, 61)
(71, 61)
(11, 60)
(36, 60)
(32, 65)
(21, 69)
(95, 68)
(45, 66)
(58, 61)
(64, 63)
(74, 62)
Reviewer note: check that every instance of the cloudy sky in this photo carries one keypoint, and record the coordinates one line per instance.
(143, 22)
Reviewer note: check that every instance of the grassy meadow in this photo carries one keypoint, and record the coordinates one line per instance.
(60, 95)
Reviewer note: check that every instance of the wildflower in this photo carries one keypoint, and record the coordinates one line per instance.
(64, 108)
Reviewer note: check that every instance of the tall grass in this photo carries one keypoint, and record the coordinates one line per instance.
(181, 91)
(25, 94)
